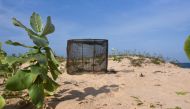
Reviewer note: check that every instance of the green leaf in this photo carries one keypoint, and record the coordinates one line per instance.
(17, 44)
(32, 51)
(54, 71)
(51, 55)
(30, 32)
(52, 63)
(187, 47)
(2, 102)
(23, 79)
(39, 41)
(18, 23)
(35, 22)
(50, 85)
(36, 69)
(49, 28)
(42, 42)
(36, 93)
(40, 58)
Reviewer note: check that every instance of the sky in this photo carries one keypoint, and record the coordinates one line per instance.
(154, 26)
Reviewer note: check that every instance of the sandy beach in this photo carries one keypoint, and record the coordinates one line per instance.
(163, 86)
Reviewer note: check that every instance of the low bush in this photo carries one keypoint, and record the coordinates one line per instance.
(30, 71)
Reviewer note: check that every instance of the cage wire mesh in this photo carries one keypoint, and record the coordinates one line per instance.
(89, 55)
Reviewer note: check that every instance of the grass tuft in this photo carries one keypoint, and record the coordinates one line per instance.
(139, 102)
(182, 93)
(177, 107)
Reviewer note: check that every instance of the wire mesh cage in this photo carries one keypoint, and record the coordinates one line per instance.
(89, 55)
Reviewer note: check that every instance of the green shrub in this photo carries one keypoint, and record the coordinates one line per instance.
(115, 56)
(39, 61)
(137, 62)
(7, 66)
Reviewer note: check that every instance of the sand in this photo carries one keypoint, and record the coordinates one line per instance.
(164, 86)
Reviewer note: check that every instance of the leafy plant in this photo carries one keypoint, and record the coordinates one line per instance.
(38, 62)
(2, 53)
(187, 47)
(2, 56)
(7, 65)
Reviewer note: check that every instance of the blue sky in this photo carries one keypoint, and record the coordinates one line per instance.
(154, 26)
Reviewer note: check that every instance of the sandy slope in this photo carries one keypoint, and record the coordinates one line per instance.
(126, 89)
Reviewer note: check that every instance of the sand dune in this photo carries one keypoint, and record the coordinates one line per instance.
(164, 86)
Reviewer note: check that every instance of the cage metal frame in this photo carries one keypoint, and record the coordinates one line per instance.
(91, 42)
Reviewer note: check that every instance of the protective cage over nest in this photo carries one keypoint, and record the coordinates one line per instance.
(89, 55)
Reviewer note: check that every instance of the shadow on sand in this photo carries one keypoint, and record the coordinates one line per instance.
(80, 95)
